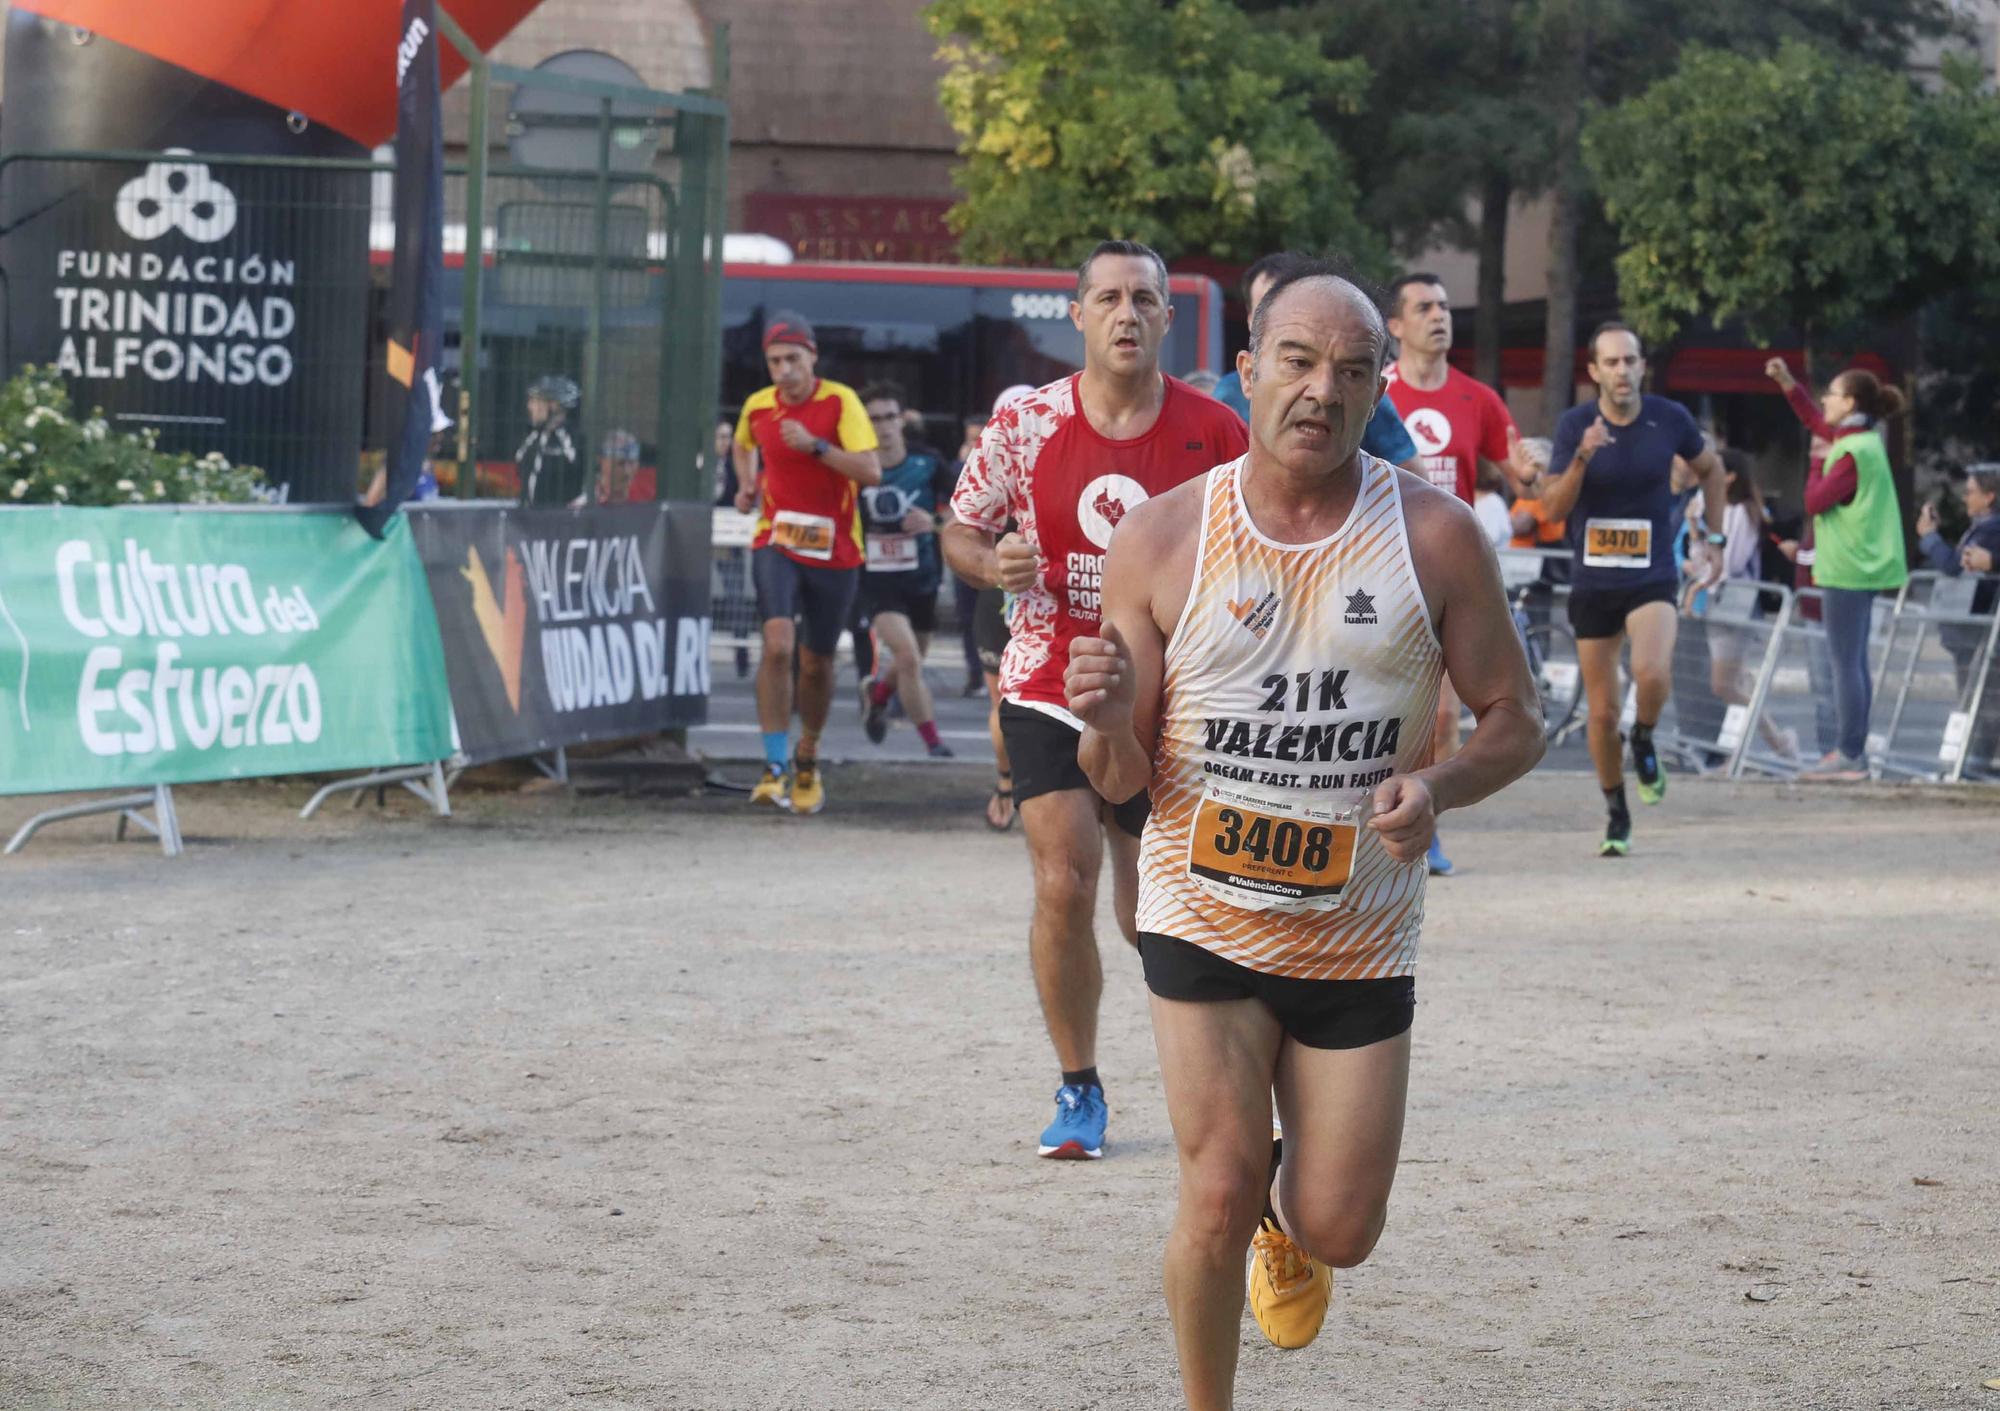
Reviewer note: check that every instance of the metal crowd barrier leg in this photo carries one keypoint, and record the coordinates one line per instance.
(164, 824)
(426, 781)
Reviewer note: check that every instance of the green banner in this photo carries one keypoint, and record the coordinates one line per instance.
(145, 646)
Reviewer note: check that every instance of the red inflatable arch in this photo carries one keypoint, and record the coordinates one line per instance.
(332, 62)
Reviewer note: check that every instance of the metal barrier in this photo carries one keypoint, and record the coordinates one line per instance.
(732, 594)
(1724, 654)
(1937, 713)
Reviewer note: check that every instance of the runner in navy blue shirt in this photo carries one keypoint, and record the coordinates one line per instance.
(1616, 482)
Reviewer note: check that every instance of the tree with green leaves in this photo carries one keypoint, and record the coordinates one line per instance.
(1180, 125)
(1804, 190)
(1475, 101)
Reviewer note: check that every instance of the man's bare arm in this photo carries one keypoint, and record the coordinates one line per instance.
(1113, 680)
(969, 553)
(862, 467)
(1482, 653)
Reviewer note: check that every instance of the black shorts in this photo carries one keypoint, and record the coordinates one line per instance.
(1317, 1013)
(1041, 751)
(989, 628)
(1601, 612)
(818, 597)
(914, 595)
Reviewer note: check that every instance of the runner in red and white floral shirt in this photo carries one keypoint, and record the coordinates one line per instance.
(1065, 465)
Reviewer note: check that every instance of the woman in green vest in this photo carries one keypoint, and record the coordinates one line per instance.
(1857, 548)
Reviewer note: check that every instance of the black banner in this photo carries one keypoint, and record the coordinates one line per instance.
(562, 626)
(224, 306)
(416, 278)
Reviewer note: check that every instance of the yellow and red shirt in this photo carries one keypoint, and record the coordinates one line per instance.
(809, 510)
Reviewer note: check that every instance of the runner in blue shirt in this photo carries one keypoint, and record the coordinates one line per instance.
(1614, 463)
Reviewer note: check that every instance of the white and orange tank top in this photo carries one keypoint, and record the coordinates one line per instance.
(1298, 678)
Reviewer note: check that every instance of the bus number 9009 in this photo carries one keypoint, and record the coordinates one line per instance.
(1040, 306)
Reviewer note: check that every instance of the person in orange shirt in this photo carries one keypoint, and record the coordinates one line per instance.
(804, 448)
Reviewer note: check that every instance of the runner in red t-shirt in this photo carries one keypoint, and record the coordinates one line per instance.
(1458, 422)
(803, 449)
(1066, 464)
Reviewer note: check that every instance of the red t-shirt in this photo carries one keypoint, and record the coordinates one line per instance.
(1042, 464)
(1453, 427)
(809, 510)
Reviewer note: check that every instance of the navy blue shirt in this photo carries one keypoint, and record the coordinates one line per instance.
(1384, 437)
(1628, 493)
(921, 480)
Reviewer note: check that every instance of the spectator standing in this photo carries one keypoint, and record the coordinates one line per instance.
(1743, 525)
(618, 469)
(1819, 663)
(550, 462)
(1977, 551)
(1857, 550)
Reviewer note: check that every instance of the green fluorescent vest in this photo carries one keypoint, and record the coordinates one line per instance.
(1860, 544)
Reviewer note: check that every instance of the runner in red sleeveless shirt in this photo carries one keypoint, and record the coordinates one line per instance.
(1065, 465)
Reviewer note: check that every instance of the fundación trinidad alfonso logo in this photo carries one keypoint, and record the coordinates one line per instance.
(181, 196)
(1254, 612)
(504, 628)
(1104, 502)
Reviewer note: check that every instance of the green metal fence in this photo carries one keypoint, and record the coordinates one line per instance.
(611, 277)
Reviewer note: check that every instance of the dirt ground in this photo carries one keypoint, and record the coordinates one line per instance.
(653, 1104)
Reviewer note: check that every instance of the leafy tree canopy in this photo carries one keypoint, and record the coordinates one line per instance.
(1806, 189)
(1181, 125)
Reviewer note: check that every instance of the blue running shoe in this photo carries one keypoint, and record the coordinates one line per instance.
(1440, 865)
(1077, 1134)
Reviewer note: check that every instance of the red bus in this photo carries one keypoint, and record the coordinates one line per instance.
(952, 336)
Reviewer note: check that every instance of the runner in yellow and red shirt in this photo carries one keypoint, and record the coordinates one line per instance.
(1458, 423)
(803, 450)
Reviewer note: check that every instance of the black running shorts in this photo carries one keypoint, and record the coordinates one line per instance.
(989, 628)
(818, 597)
(1041, 751)
(914, 595)
(1317, 1013)
(1601, 612)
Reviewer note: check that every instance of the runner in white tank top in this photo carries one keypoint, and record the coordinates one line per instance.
(1298, 678)
(1274, 636)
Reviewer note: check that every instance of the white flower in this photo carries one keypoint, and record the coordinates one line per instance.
(27, 448)
(41, 414)
(20, 489)
(61, 492)
(159, 490)
(125, 485)
(94, 429)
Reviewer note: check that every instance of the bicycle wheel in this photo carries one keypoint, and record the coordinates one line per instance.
(1558, 674)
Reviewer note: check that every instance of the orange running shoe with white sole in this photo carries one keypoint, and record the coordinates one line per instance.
(1289, 1289)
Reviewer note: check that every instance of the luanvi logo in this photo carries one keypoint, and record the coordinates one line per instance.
(1254, 612)
(503, 628)
(1360, 610)
(179, 196)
